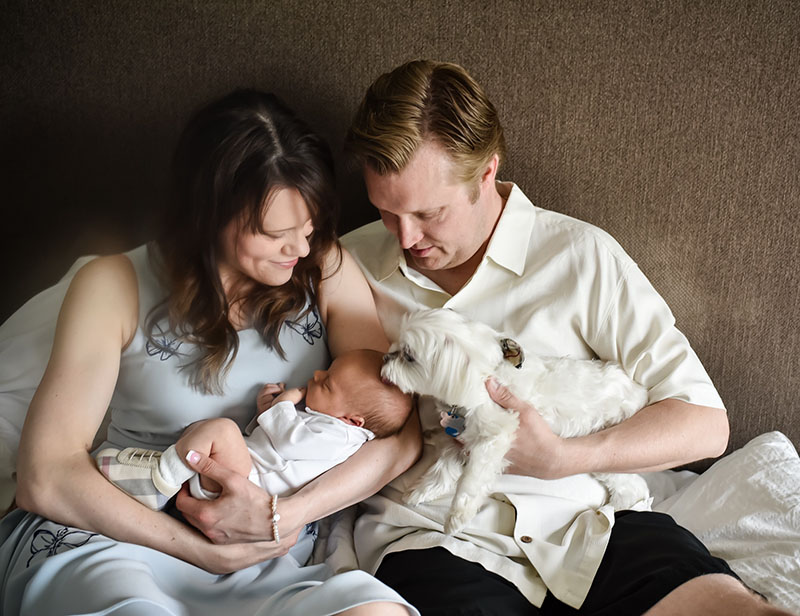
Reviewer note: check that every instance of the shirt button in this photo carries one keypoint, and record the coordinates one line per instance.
(525, 539)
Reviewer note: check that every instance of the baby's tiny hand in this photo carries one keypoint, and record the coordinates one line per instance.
(266, 396)
(294, 395)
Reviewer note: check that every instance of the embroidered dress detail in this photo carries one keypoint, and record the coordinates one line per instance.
(51, 543)
(165, 346)
(310, 327)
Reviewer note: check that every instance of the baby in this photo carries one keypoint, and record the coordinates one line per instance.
(287, 447)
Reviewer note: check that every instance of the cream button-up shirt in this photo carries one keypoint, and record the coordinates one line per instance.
(559, 287)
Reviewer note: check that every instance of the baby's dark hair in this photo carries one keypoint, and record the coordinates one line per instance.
(384, 407)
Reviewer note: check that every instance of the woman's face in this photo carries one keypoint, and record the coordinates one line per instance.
(269, 255)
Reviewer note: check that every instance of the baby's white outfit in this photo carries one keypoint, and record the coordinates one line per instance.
(290, 447)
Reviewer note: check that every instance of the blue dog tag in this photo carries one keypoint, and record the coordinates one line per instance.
(452, 422)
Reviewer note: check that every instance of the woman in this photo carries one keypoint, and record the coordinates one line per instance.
(244, 285)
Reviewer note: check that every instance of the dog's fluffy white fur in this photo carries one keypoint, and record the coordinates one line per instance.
(442, 354)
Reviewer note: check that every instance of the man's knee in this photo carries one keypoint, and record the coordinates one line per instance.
(714, 594)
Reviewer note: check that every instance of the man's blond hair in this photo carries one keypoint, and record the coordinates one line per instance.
(425, 101)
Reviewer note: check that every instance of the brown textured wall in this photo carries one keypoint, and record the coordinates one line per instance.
(673, 125)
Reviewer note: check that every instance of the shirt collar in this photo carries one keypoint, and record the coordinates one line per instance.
(391, 258)
(509, 244)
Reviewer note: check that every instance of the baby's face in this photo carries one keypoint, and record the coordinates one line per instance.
(331, 391)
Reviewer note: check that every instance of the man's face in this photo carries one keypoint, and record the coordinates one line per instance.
(435, 217)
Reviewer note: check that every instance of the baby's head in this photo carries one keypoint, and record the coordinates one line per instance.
(352, 390)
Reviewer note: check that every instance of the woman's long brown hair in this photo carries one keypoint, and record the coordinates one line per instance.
(231, 157)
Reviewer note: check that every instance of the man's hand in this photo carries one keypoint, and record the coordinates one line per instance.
(537, 451)
(663, 435)
(241, 514)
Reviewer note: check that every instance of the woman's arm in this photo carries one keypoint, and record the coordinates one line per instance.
(57, 477)
(240, 514)
(363, 474)
(348, 309)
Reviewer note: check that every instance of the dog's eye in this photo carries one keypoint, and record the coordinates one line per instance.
(408, 356)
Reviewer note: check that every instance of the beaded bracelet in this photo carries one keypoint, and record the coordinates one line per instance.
(275, 518)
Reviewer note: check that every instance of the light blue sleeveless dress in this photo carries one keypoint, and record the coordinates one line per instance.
(48, 568)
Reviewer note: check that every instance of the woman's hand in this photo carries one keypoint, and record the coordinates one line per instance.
(537, 451)
(242, 512)
(224, 559)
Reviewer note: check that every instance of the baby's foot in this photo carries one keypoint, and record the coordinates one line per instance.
(136, 472)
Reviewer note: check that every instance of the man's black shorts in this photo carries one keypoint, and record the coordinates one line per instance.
(648, 556)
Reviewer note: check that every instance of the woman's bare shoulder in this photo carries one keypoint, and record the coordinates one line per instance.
(106, 289)
(339, 269)
(333, 261)
(109, 274)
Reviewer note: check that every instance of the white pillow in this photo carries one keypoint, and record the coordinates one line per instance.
(746, 510)
(25, 342)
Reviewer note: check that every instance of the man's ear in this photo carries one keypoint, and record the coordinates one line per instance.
(490, 171)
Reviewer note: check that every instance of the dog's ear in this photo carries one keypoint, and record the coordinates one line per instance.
(512, 352)
(454, 355)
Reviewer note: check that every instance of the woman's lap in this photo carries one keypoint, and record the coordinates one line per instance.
(52, 569)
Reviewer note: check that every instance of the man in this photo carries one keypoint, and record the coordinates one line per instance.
(430, 145)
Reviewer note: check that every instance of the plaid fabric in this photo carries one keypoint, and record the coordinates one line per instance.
(131, 470)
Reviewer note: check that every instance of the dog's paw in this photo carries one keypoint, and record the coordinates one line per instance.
(423, 492)
(430, 486)
(414, 497)
(625, 490)
(462, 510)
(457, 520)
(454, 525)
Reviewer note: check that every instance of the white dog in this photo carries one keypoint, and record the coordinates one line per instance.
(440, 353)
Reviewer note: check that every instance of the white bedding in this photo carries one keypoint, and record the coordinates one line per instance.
(746, 509)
